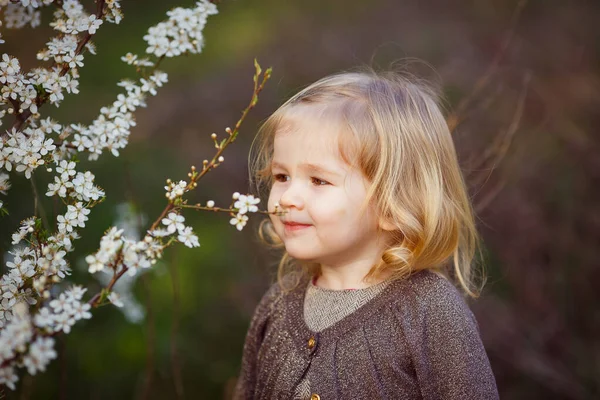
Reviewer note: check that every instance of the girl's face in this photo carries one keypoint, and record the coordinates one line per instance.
(322, 196)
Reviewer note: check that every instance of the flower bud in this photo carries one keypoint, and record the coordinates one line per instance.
(221, 159)
(210, 204)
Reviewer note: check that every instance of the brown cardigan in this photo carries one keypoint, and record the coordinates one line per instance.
(417, 339)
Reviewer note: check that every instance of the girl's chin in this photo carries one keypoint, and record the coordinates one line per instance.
(300, 254)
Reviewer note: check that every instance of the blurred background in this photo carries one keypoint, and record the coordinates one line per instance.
(521, 84)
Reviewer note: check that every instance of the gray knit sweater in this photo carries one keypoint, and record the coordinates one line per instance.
(416, 339)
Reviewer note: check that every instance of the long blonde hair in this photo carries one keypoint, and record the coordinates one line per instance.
(398, 137)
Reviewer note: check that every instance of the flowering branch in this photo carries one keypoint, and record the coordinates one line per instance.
(32, 311)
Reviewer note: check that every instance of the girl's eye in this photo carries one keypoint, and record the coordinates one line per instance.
(280, 177)
(319, 182)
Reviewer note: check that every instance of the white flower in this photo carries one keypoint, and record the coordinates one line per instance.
(30, 163)
(64, 322)
(48, 125)
(78, 214)
(129, 58)
(44, 318)
(76, 292)
(174, 222)
(83, 184)
(8, 377)
(114, 298)
(148, 86)
(73, 60)
(94, 24)
(41, 352)
(246, 203)
(59, 187)
(160, 232)
(210, 204)
(239, 221)
(66, 169)
(4, 183)
(61, 304)
(159, 78)
(175, 190)
(95, 264)
(65, 224)
(81, 311)
(188, 238)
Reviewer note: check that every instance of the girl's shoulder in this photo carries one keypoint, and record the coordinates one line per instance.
(427, 295)
(276, 293)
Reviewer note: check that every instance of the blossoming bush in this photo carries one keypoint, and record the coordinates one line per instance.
(32, 311)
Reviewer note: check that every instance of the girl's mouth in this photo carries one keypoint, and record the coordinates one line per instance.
(294, 226)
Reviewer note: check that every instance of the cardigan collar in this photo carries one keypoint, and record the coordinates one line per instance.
(293, 303)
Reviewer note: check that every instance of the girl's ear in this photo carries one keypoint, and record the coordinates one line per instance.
(386, 225)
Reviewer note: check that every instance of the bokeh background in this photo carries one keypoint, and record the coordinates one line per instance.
(521, 84)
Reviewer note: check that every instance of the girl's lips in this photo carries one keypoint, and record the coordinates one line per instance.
(294, 226)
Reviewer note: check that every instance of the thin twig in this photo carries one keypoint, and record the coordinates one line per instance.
(498, 151)
(458, 116)
(149, 372)
(227, 210)
(175, 365)
(232, 135)
(37, 205)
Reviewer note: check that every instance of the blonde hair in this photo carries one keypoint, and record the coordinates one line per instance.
(399, 139)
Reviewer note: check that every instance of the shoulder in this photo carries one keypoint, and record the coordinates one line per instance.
(274, 296)
(268, 301)
(427, 295)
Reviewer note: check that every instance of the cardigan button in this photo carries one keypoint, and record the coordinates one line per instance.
(311, 344)
(315, 396)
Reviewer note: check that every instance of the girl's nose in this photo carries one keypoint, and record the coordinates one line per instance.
(292, 197)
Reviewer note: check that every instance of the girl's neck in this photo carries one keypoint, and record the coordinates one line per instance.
(346, 278)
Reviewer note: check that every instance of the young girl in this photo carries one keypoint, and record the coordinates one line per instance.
(375, 222)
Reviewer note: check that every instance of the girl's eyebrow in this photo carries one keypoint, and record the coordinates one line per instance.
(318, 168)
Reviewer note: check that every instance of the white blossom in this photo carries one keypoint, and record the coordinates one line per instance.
(175, 190)
(174, 222)
(41, 352)
(239, 221)
(187, 237)
(4, 183)
(129, 58)
(8, 377)
(114, 298)
(78, 214)
(246, 203)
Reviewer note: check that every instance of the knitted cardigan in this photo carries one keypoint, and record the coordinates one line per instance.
(417, 339)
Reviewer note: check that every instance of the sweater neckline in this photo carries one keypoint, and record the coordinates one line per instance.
(302, 333)
(312, 285)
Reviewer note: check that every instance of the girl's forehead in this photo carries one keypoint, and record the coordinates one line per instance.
(311, 129)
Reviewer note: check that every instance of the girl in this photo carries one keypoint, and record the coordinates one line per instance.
(372, 212)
